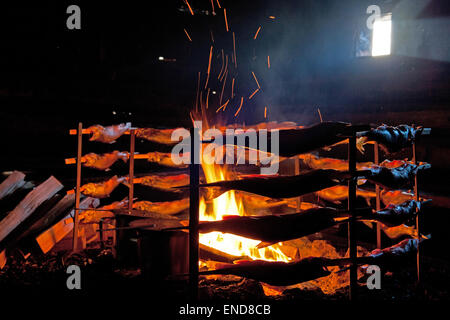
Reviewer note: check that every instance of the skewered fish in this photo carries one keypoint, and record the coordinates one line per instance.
(108, 134)
(164, 159)
(301, 140)
(102, 189)
(164, 182)
(315, 162)
(272, 125)
(280, 186)
(393, 139)
(395, 196)
(275, 228)
(96, 215)
(391, 256)
(253, 201)
(394, 215)
(104, 161)
(166, 207)
(337, 194)
(162, 136)
(395, 178)
(275, 273)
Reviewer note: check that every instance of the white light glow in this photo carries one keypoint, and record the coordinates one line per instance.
(160, 58)
(381, 37)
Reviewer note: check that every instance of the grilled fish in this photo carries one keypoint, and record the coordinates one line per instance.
(395, 196)
(315, 162)
(394, 215)
(104, 161)
(395, 178)
(162, 136)
(108, 134)
(393, 139)
(166, 207)
(280, 186)
(102, 189)
(337, 194)
(164, 182)
(164, 159)
(275, 273)
(96, 215)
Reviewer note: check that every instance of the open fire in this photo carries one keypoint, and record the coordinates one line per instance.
(229, 204)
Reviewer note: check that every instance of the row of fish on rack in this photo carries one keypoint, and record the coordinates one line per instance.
(327, 178)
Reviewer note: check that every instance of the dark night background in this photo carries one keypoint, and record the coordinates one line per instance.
(109, 72)
(52, 77)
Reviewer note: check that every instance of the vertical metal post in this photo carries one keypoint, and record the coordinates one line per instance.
(378, 194)
(131, 173)
(297, 172)
(77, 191)
(351, 207)
(416, 194)
(194, 200)
(100, 228)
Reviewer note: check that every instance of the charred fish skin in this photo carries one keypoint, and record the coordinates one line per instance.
(393, 256)
(277, 273)
(294, 141)
(394, 215)
(392, 138)
(283, 186)
(395, 178)
(275, 228)
(108, 134)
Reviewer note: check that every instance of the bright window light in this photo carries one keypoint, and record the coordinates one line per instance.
(381, 37)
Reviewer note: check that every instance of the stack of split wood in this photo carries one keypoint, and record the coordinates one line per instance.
(34, 218)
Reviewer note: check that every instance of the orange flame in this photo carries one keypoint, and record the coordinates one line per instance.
(228, 204)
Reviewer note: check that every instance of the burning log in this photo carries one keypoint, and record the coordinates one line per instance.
(275, 273)
(279, 186)
(108, 134)
(102, 189)
(276, 228)
(395, 178)
(28, 205)
(165, 207)
(393, 139)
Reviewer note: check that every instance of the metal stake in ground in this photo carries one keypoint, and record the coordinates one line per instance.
(194, 199)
